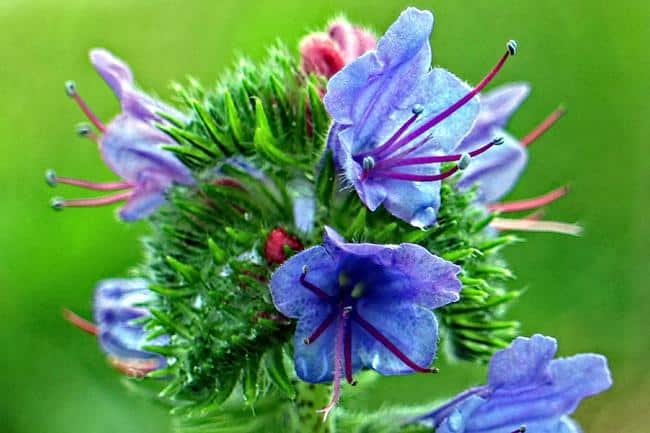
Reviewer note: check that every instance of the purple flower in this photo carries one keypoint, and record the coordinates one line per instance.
(131, 145)
(363, 305)
(118, 304)
(396, 120)
(526, 387)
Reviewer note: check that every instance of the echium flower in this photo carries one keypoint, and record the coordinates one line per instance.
(527, 390)
(326, 53)
(396, 120)
(119, 303)
(130, 145)
(363, 305)
(496, 172)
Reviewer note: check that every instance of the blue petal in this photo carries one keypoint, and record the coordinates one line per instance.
(294, 300)
(411, 328)
(523, 363)
(498, 105)
(130, 147)
(366, 91)
(113, 70)
(142, 204)
(143, 107)
(496, 171)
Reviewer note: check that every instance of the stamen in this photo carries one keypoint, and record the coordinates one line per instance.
(521, 429)
(85, 130)
(347, 348)
(535, 216)
(531, 203)
(387, 147)
(59, 203)
(71, 90)
(424, 177)
(543, 127)
(532, 225)
(338, 359)
(397, 161)
(320, 329)
(390, 346)
(134, 367)
(52, 179)
(511, 50)
(80, 322)
(314, 289)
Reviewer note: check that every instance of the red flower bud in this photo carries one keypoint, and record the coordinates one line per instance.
(276, 242)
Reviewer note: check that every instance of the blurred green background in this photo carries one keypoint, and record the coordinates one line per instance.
(592, 293)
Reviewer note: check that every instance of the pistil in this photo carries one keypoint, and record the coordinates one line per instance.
(532, 225)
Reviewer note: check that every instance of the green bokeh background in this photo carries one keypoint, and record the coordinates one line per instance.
(591, 293)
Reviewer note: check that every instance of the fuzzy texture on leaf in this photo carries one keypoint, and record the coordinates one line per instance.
(372, 97)
(526, 386)
(495, 172)
(132, 144)
(118, 302)
(399, 287)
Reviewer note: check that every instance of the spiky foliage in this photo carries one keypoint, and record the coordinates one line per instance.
(251, 139)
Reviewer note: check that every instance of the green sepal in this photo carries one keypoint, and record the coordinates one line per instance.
(274, 365)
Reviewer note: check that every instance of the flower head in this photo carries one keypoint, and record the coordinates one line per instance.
(396, 120)
(326, 53)
(363, 305)
(131, 145)
(526, 387)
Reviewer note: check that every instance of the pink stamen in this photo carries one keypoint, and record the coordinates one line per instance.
(543, 127)
(80, 322)
(72, 92)
(320, 329)
(401, 162)
(532, 225)
(347, 349)
(531, 203)
(103, 186)
(338, 360)
(134, 367)
(535, 216)
(511, 50)
(418, 177)
(390, 346)
(87, 202)
(388, 147)
(85, 131)
(313, 288)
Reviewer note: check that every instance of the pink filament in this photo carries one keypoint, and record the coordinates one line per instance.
(533, 225)
(531, 203)
(108, 186)
(80, 322)
(88, 112)
(543, 127)
(99, 201)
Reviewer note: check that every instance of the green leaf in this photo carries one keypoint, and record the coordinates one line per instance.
(264, 140)
(274, 364)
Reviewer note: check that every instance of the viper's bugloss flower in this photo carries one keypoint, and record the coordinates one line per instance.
(527, 390)
(130, 145)
(326, 53)
(396, 120)
(363, 305)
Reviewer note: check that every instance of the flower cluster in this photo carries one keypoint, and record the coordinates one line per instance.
(248, 269)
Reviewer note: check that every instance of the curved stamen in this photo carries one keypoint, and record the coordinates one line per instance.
(347, 349)
(338, 360)
(511, 50)
(401, 162)
(531, 203)
(134, 367)
(52, 179)
(80, 322)
(71, 90)
(59, 203)
(312, 287)
(387, 147)
(543, 127)
(462, 164)
(377, 335)
(320, 329)
(532, 225)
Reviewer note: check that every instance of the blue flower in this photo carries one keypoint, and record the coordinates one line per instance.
(363, 305)
(396, 120)
(526, 387)
(131, 145)
(118, 304)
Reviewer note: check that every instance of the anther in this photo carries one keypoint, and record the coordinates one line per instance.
(512, 47)
(347, 310)
(70, 88)
(84, 130)
(499, 141)
(50, 178)
(305, 269)
(368, 163)
(357, 291)
(464, 161)
(57, 203)
(417, 109)
(521, 429)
